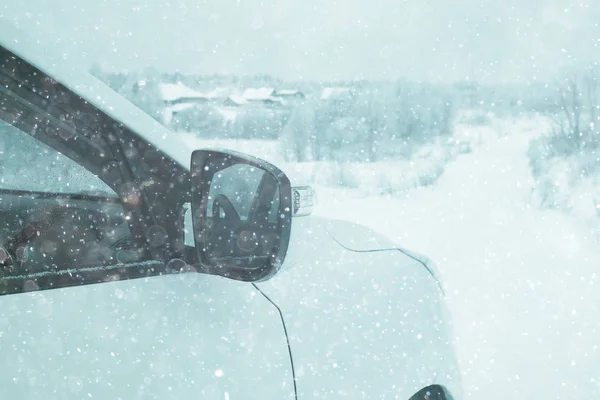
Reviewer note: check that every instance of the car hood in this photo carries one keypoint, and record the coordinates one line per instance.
(349, 235)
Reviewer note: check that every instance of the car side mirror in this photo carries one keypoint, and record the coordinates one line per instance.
(242, 210)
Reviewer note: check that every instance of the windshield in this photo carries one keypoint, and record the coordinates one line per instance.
(466, 130)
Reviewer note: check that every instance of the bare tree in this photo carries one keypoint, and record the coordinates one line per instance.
(570, 106)
(576, 123)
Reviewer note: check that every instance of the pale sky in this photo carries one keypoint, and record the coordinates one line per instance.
(500, 40)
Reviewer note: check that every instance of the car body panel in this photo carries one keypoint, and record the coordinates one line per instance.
(358, 238)
(361, 324)
(185, 336)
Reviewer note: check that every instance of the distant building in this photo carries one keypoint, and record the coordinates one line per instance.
(234, 101)
(258, 94)
(264, 96)
(289, 94)
(172, 111)
(179, 93)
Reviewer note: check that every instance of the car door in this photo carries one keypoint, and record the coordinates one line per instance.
(97, 309)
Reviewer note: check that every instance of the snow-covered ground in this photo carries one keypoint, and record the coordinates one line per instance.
(522, 282)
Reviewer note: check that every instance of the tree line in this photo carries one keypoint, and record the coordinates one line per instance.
(374, 120)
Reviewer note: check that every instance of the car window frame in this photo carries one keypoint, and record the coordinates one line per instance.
(100, 145)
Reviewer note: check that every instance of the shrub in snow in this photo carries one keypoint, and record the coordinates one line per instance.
(343, 140)
(297, 137)
(567, 158)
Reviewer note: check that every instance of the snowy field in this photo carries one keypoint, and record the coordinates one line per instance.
(522, 282)
(396, 177)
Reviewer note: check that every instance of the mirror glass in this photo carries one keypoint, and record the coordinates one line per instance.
(239, 221)
(239, 184)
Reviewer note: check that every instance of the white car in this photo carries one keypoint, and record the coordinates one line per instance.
(135, 267)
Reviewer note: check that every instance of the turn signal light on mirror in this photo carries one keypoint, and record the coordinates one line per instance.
(303, 201)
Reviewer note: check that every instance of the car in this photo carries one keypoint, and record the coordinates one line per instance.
(134, 266)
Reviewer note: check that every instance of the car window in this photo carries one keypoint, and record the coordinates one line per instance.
(61, 224)
(30, 165)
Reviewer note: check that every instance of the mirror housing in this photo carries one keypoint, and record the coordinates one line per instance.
(242, 210)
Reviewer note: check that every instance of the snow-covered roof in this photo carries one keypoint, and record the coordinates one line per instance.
(222, 92)
(174, 91)
(334, 92)
(263, 93)
(218, 93)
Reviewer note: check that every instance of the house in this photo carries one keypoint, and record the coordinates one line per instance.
(234, 101)
(264, 96)
(273, 102)
(171, 111)
(258, 94)
(289, 94)
(176, 93)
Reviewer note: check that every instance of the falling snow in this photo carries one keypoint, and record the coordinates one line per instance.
(467, 132)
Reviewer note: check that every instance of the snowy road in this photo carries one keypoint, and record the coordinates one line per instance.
(522, 282)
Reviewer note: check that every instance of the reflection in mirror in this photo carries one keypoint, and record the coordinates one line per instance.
(237, 183)
(240, 222)
(241, 216)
